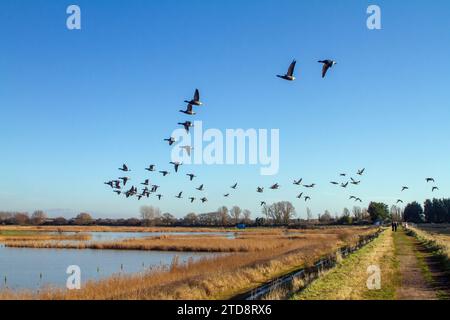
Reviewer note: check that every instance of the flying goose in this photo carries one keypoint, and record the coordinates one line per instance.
(434, 189)
(354, 181)
(186, 125)
(117, 184)
(146, 182)
(430, 180)
(234, 186)
(260, 189)
(191, 176)
(298, 182)
(118, 192)
(109, 183)
(334, 182)
(360, 172)
(192, 199)
(125, 180)
(358, 200)
(124, 168)
(200, 188)
(290, 74)
(352, 197)
(307, 198)
(276, 186)
(164, 173)
(154, 188)
(312, 185)
(327, 64)
(196, 100)
(188, 110)
(171, 141)
(344, 185)
(399, 201)
(300, 195)
(179, 195)
(204, 200)
(343, 174)
(226, 195)
(263, 203)
(176, 165)
(150, 168)
(404, 188)
(159, 196)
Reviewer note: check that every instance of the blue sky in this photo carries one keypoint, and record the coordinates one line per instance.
(75, 105)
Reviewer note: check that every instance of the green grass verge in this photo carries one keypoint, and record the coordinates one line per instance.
(329, 286)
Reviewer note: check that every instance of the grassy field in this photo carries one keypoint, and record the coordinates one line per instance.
(437, 235)
(268, 254)
(348, 280)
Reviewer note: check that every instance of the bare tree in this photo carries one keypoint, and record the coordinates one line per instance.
(280, 212)
(247, 216)
(83, 219)
(326, 216)
(346, 212)
(149, 215)
(357, 213)
(168, 219)
(21, 218)
(308, 214)
(38, 217)
(235, 213)
(191, 219)
(396, 213)
(266, 212)
(224, 217)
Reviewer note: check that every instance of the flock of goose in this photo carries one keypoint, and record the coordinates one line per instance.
(119, 185)
(428, 180)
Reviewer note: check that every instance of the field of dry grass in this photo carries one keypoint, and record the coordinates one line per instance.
(166, 243)
(38, 237)
(214, 278)
(261, 240)
(437, 234)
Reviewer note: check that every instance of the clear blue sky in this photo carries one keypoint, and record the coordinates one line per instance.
(75, 105)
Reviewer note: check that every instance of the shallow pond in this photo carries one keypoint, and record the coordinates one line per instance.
(22, 268)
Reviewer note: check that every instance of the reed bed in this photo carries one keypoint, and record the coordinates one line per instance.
(112, 229)
(248, 242)
(185, 244)
(44, 237)
(220, 277)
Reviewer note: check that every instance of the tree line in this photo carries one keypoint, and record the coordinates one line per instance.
(432, 211)
(281, 213)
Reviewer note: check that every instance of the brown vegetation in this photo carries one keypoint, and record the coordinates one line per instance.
(211, 278)
(108, 229)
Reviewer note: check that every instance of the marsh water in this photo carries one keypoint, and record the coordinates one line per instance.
(28, 268)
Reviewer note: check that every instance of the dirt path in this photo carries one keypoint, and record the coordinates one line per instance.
(416, 278)
(408, 272)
